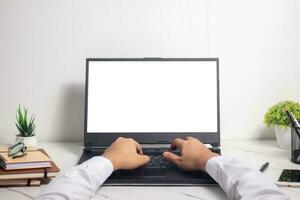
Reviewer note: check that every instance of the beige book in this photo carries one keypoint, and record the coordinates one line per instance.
(33, 159)
(37, 173)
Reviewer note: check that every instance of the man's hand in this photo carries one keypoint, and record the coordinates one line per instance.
(125, 153)
(194, 154)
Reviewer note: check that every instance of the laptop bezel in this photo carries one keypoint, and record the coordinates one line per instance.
(102, 139)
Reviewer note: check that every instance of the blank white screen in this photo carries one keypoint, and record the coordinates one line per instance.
(152, 96)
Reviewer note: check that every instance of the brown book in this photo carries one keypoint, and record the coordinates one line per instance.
(20, 183)
(36, 173)
(33, 159)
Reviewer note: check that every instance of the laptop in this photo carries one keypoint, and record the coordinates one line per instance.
(153, 100)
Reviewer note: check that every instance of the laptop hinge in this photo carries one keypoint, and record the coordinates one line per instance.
(88, 147)
(154, 146)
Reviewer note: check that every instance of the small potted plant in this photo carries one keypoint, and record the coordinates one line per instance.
(26, 127)
(277, 118)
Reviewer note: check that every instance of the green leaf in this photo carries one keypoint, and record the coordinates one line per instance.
(276, 115)
(24, 124)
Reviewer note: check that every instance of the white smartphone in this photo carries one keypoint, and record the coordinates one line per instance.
(289, 178)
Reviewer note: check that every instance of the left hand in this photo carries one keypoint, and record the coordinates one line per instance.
(126, 153)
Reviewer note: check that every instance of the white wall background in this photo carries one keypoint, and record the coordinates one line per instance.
(43, 46)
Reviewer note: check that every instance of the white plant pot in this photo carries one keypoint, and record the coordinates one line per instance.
(283, 136)
(28, 141)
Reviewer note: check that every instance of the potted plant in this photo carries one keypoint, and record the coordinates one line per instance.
(277, 118)
(26, 127)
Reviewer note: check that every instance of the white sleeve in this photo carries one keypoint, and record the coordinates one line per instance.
(80, 182)
(241, 182)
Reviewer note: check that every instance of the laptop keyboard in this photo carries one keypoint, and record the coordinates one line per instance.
(158, 161)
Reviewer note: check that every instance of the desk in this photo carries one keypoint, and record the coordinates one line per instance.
(254, 152)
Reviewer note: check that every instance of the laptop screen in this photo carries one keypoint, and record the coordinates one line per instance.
(152, 96)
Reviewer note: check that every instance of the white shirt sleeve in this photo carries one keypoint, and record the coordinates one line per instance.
(241, 182)
(80, 182)
(237, 180)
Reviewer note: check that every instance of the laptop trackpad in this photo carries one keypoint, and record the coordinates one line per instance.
(154, 172)
(139, 173)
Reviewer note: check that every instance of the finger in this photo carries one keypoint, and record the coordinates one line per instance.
(143, 159)
(138, 147)
(172, 157)
(189, 138)
(177, 143)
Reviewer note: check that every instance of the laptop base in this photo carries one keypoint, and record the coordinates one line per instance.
(143, 176)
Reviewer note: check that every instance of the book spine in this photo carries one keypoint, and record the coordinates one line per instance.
(20, 183)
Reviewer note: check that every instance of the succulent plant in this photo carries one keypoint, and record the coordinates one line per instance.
(25, 125)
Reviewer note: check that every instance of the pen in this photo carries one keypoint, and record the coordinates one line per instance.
(264, 166)
(294, 122)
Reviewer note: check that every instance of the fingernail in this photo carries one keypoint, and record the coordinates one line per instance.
(165, 153)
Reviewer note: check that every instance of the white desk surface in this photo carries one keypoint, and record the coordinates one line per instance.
(254, 152)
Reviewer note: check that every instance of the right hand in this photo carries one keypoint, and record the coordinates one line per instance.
(194, 154)
(126, 153)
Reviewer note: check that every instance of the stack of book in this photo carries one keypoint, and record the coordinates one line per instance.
(32, 169)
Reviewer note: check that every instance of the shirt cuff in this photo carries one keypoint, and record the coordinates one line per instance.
(100, 166)
(105, 164)
(212, 166)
